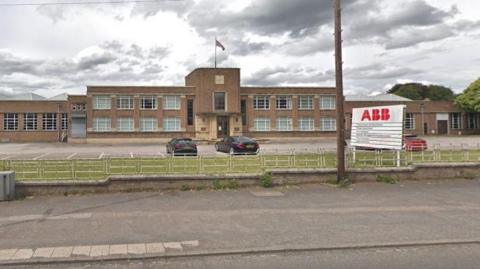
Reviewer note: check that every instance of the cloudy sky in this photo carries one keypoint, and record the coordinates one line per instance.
(62, 48)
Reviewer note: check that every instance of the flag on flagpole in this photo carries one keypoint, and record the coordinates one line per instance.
(220, 45)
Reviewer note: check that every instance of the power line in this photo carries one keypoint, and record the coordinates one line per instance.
(85, 3)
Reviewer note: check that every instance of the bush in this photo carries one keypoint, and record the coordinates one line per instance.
(386, 179)
(266, 180)
(184, 188)
(231, 184)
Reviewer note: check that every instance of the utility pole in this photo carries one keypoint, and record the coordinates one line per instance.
(341, 173)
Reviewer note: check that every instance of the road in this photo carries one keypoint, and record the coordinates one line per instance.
(291, 217)
(441, 257)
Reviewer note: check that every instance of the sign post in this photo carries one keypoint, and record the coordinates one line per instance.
(378, 128)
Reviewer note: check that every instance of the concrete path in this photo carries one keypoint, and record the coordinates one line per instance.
(313, 216)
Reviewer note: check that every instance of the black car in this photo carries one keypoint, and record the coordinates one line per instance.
(182, 146)
(237, 145)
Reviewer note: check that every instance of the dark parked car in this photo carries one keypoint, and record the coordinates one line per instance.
(237, 145)
(414, 143)
(182, 146)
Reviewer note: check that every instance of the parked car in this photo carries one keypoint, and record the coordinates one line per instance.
(182, 146)
(237, 145)
(414, 143)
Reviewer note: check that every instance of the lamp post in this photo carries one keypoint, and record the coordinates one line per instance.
(341, 170)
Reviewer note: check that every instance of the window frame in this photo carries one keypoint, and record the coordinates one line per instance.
(106, 121)
(261, 99)
(473, 121)
(268, 127)
(125, 122)
(150, 120)
(107, 100)
(409, 121)
(333, 104)
(28, 120)
(224, 101)
(49, 122)
(311, 123)
(167, 102)
(6, 123)
(287, 100)
(301, 100)
(177, 122)
(64, 121)
(284, 120)
(456, 120)
(152, 99)
(328, 120)
(129, 99)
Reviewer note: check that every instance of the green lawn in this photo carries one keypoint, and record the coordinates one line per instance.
(96, 169)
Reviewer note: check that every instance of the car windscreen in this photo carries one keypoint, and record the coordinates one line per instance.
(243, 139)
(184, 141)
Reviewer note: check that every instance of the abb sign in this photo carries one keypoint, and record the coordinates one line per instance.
(378, 127)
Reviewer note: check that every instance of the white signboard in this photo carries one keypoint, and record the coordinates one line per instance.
(378, 127)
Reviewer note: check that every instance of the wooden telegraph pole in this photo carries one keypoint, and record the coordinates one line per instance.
(341, 172)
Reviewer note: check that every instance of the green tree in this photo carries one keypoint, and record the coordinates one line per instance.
(470, 99)
(418, 91)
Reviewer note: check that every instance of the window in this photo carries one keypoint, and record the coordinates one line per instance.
(171, 124)
(327, 102)
(261, 124)
(306, 124)
(30, 121)
(102, 124)
(284, 124)
(79, 107)
(328, 124)
(305, 102)
(472, 121)
(190, 112)
(64, 121)
(243, 110)
(284, 102)
(410, 121)
(261, 102)
(125, 124)
(10, 121)
(102, 102)
(148, 124)
(49, 121)
(125, 102)
(456, 120)
(148, 102)
(219, 101)
(171, 102)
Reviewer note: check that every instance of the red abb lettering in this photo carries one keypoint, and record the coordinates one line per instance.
(385, 114)
(376, 115)
(366, 115)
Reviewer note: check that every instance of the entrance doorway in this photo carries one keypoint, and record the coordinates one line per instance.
(79, 127)
(442, 127)
(223, 127)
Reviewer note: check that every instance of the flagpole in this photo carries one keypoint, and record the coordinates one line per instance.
(215, 52)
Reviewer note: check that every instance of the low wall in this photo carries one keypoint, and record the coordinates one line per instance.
(280, 177)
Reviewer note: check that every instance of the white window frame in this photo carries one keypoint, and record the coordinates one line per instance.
(261, 102)
(102, 124)
(125, 125)
(148, 124)
(171, 124)
(125, 102)
(224, 101)
(409, 121)
(328, 102)
(306, 124)
(328, 124)
(262, 124)
(102, 102)
(64, 121)
(284, 124)
(10, 121)
(305, 102)
(30, 121)
(456, 120)
(171, 102)
(283, 102)
(49, 121)
(150, 98)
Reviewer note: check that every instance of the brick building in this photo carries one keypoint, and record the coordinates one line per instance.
(212, 104)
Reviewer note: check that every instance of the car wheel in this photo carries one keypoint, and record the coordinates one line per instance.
(232, 151)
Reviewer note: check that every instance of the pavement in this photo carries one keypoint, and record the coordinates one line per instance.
(203, 226)
(62, 151)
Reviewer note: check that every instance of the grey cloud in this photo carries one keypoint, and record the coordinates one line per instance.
(379, 71)
(95, 60)
(277, 76)
(418, 36)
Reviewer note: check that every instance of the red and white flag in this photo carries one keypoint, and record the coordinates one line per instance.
(218, 44)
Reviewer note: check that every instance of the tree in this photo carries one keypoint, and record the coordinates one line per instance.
(418, 91)
(470, 99)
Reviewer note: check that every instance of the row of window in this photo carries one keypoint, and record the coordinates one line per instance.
(125, 102)
(262, 102)
(455, 121)
(30, 121)
(327, 124)
(170, 124)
